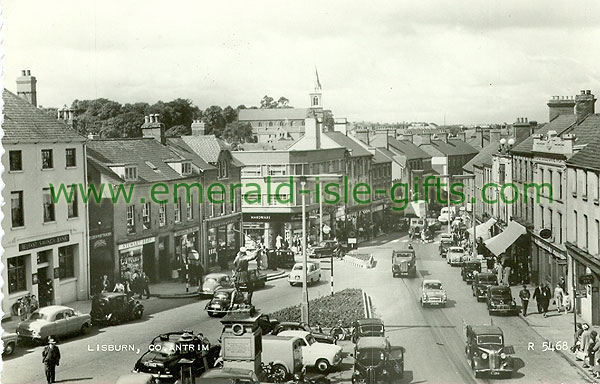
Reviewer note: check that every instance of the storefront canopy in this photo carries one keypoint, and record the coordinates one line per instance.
(483, 229)
(500, 243)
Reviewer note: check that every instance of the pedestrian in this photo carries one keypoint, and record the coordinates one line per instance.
(145, 285)
(585, 342)
(278, 241)
(136, 283)
(119, 287)
(547, 295)
(558, 297)
(591, 350)
(104, 284)
(577, 338)
(537, 296)
(563, 284)
(524, 295)
(51, 359)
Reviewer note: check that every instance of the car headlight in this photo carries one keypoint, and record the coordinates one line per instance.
(35, 332)
(513, 303)
(484, 355)
(445, 296)
(503, 355)
(492, 304)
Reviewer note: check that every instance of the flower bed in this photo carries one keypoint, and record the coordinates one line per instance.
(360, 256)
(346, 305)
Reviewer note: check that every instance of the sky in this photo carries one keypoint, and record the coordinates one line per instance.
(463, 62)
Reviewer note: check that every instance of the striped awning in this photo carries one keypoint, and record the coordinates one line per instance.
(500, 243)
(483, 229)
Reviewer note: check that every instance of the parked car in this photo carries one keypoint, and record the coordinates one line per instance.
(284, 352)
(114, 308)
(455, 256)
(220, 303)
(445, 244)
(267, 324)
(480, 284)
(213, 282)
(314, 354)
(313, 274)
(326, 248)
(165, 351)
(302, 326)
(257, 277)
(469, 269)
(229, 375)
(500, 300)
(486, 352)
(404, 263)
(281, 258)
(368, 328)
(376, 361)
(10, 343)
(433, 224)
(55, 321)
(432, 293)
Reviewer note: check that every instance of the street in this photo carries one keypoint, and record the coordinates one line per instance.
(432, 337)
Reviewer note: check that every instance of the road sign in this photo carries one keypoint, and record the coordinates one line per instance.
(545, 233)
(586, 279)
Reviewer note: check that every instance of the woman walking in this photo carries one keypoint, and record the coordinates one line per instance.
(558, 297)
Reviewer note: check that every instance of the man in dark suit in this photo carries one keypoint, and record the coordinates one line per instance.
(547, 295)
(537, 296)
(51, 359)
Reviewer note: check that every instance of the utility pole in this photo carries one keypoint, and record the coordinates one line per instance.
(304, 303)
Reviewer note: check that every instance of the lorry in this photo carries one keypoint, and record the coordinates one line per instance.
(284, 352)
(404, 262)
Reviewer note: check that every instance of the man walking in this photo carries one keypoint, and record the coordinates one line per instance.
(524, 295)
(50, 359)
(547, 295)
(537, 296)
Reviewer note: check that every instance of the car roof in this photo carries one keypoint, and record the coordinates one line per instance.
(499, 288)
(486, 274)
(474, 262)
(371, 321)
(432, 281)
(446, 236)
(457, 249)
(307, 264)
(110, 295)
(486, 330)
(52, 309)
(372, 342)
(301, 334)
(294, 323)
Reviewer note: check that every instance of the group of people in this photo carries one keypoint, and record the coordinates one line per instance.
(131, 284)
(587, 348)
(543, 296)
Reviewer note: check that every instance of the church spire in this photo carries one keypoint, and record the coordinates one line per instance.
(317, 82)
(315, 97)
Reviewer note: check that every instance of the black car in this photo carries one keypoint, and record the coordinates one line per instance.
(114, 308)
(500, 300)
(486, 352)
(376, 361)
(257, 278)
(165, 352)
(281, 258)
(266, 324)
(469, 269)
(326, 248)
(368, 328)
(302, 326)
(220, 303)
(480, 284)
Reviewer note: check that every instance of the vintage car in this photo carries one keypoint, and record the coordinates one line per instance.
(281, 258)
(257, 277)
(114, 308)
(229, 375)
(313, 274)
(404, 262)
(220, 303)
(314, 354)
(55, 321)
(266, 324)
(165, 352)
(376, 361)
(368, 328)
(455, 256)
(326, 248)
(500, 300)
(486, 352)
(469, 269)
(480, 284)
(302, 326)
(432, 293)
(213, 282)
(445, 243)
(10, 343)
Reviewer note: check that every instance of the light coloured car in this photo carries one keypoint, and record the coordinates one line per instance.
(55, 321)
(10, 343)
(455, 256)
(314, 354)
(213, 282)
(432, 293)
(312, 276)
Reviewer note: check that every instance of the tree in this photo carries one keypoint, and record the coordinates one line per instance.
(178, 130)
(283, 102)
(214, 120)
(328, 120)
(229, 114)
(268, 102)
(238, 133)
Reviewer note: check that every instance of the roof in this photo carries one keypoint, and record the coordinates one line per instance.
(379, 342)
(355, 148)
(588, 157)
(380, 158)
(273, 114)
(301, 334)
(454, 147)
(24, 122)
(486, 330)
(408, 148)
(270, 146)
(206, 146)
(52, 309)
(559, 124)
(483, 158)
(432, 281)
(371, 321)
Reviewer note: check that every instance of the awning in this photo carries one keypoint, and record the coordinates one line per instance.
(483, 229)
(500, 243)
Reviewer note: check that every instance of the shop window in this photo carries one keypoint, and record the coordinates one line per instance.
(162, 215)
(131, 219)
(146, 216)
(48, 206)
(16, 274)
(66, 261)
(73, 205)
(70, 157)
(16, 209)
(47, 160)
(15, 160)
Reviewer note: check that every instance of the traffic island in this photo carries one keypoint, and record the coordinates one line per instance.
(360, 260)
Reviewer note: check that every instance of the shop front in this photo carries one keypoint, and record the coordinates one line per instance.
(101, 259)
(551, 261)
(587, 267)
(138, 255)
(265, 227)
(186, 241)
(222, 241)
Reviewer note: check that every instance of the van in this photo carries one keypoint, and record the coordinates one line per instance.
(285, 352)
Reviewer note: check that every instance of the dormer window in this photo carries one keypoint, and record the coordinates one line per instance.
(186, 168)
(130, 173)
(223, 169)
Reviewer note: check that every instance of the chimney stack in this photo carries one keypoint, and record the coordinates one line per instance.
(312, 132)
(198, 128)
(560, 105)
(584, 104)
(495, 135)
(153, 128)
(422, 139)
(341, 125)
(27, 87)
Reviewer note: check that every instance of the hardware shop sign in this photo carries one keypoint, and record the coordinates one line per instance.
(43, 242)
(136, 243)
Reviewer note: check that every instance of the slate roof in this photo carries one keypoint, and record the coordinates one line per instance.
(379, 157)
(23, 122)
(454, 147)
(208, 146)
(349, 143)
(559, 124)
(588, 157)
(410, 150)
(273, 114)
(483, 158)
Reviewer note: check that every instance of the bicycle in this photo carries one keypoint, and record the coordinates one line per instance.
(274, 373)
(24, 306)
(339, 332)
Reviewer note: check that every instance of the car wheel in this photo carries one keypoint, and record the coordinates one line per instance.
(9, 349)
(291, 284)
(422, 303)
(85, 327)
(322, 365)
(211, 314)
(280, 372)
(138, 314)
(475, 373)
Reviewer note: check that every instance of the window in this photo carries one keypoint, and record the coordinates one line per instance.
(16, 274)
(542, 218)
(560, 228)
(550, 218)
(223, 171)
(47, 161)
(575, 227)
(146, 216)
(177, 207)
(585, 184)
(597, 237)
(131, 218)
(66, 261)
(71, 159)
(48, 206)
(597, 187)
(190, 209)
(270, 123)
(16, 209)
(162, 215)
(130, 173)
(186, 168)
(260, 124)
(72, 206)
(573, 176)
(16, 161)
(560, 185)
(586, 243)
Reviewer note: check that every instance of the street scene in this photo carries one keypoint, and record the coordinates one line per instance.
(302, 192)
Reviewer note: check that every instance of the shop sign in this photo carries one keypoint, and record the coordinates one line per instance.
(219, 222)
(43, 242)
(184, 232)
(101, 236)
(272, 217)
(136, 243)
(586, 279)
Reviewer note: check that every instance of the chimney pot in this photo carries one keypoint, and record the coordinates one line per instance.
(24, 72)
(28, 72)
(588, 92)
(583, 91)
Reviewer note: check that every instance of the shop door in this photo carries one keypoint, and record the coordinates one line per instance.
(45, 297)
(148, 263)
(164, 263)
